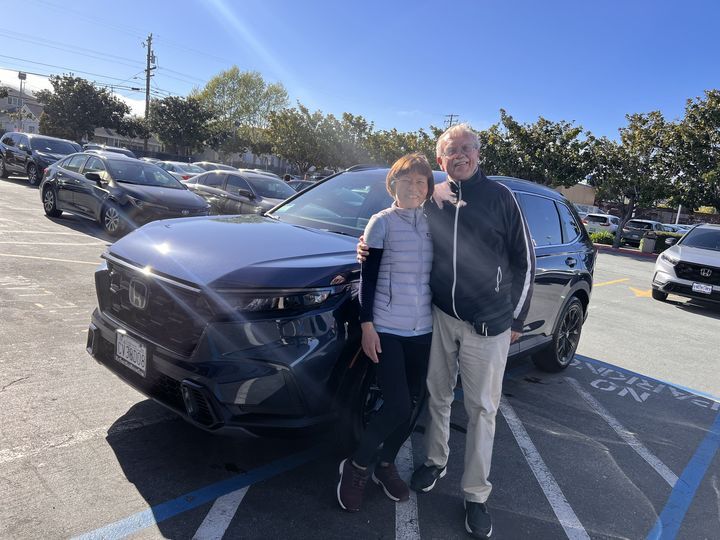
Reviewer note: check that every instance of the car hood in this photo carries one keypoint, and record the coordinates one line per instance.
(52, 158)
(172, 198)
(247, 251)
(707, 257)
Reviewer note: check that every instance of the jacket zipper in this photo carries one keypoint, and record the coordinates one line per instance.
(455, 227)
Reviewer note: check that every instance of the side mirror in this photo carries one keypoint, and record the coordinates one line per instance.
(94, 177)
(670, 241)
(245, 193)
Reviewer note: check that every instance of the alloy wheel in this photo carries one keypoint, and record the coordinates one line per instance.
(569, 334)
(32, 174)
(49, 201)
(111, 220)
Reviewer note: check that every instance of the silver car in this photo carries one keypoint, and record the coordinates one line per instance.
(690, 268)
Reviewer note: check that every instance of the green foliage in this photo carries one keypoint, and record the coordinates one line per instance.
(74, 108)
(602, 237)
(134, 127)
(180, 123)
(3, 92)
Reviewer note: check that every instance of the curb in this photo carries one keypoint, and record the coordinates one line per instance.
(625, 251)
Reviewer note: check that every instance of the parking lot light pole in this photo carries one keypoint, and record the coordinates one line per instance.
(22, 76)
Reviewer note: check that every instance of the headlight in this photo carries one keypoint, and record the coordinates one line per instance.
(278, 300)
(138, 203)
(672, 259)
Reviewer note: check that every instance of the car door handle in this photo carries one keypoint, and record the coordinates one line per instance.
(571, 262)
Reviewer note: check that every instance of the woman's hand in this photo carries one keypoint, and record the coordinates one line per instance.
(370, 342)
(362, 250)
(442, 194)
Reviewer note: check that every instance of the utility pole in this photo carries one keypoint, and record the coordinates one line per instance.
(450, 122)
(22, 76)
(148, 74)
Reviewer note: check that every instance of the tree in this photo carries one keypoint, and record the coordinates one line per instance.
(133, 127)
(241, 103)
(296, 134)
(635, 172)
(181, 123)
(697, 152)
(74, 108)
(388, 145)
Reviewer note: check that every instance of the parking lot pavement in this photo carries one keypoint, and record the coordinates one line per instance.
(606, 449)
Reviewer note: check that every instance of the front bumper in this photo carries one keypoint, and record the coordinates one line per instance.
(665, 280)
(227, 384)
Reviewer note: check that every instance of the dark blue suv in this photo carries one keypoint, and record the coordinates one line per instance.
(251, 322)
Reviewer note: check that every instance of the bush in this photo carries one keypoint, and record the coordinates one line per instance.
(603, 237)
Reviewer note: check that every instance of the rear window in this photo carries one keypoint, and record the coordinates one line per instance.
(595, 219)
(639, 225)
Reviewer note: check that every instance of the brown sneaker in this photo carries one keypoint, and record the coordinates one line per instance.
(351, 486)
(389, 479)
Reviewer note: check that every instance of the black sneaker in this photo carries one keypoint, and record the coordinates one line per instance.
(477, 520)
(425, 476)
(351, 487)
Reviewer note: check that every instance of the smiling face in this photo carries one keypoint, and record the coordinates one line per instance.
(410, 189)
(459, 156)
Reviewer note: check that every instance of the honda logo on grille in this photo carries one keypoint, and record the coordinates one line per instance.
(185, 212)
(706, 272)
(138, 294)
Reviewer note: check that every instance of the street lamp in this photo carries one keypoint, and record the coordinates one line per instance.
(22, 76)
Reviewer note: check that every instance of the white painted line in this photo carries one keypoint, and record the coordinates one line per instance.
(565, 514)
(71, 439)
(407, 526)
(19, 243)
(220, 515)
(49, 232)
(652, 460)
(48, 259)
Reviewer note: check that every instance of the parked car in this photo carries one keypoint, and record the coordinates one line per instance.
(676, 228)
(240, 192)
(105, 148)
(260, 171)
(118, 192)
(150, 160)
(691, 267)
(634, 230)
(210, 166)
(601, 223)
(181, 171)
(251, 322)
(30, 154)
(299, 185)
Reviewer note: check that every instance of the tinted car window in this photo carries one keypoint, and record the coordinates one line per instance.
(542, 218)
(8, 140)
(52, 146)
(570, 227)
(702, 238)
(236, 183)
(132, 171)
(270, 188)
(632, 224)
(596, 219)
(94, 165)
(74, 163)
(211, 179)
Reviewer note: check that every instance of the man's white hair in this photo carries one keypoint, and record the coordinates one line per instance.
(456, 130)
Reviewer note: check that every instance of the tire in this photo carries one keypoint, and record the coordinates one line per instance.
(32, 174)
(558, 355)
(358, 405)
(112, 221)
(3, 169)
(50, 203)
(659, 295)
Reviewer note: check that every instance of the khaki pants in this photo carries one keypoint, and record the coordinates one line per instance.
(481, 361)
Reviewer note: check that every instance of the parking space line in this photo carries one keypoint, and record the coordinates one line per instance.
(220, 515)
(613, 282)
(559, 504)
(670, 519)
(21, 243)
(48, 259)
(188, 501)
(407, 525)
(651, 459)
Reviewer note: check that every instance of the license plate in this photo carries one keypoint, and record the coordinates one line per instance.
(131, 353)
(702, 288)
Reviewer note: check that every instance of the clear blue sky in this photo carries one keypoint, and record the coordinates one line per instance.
(399, 64)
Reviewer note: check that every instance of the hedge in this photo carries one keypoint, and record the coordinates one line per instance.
(602, 237)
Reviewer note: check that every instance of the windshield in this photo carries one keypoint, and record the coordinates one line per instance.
(189, 167)
(52, 146)
(269, 188)
(703, 239)
(138, 172)
(342, 204)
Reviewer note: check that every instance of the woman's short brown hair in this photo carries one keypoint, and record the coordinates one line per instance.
(416, 162)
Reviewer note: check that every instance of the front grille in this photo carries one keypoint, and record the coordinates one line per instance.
(694, 272)
(172, 316)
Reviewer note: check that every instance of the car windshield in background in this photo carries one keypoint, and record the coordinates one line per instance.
(138, 172)
(342, 204)
(269, 188)
(189, 167)
(703, 239)
(596, 219)
(52, 146)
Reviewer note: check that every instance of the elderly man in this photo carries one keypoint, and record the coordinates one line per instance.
(481, 280)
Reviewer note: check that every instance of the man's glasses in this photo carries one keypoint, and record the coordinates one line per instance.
(454, 150)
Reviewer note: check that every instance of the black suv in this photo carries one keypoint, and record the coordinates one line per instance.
(251, 322)
(31, 154)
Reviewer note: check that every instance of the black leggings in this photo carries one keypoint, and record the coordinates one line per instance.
(401, 375)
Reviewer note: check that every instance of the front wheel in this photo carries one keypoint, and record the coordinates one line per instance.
(50, 203)
(3, 169)
(112, 220)
(32, 174)
(558, 355)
